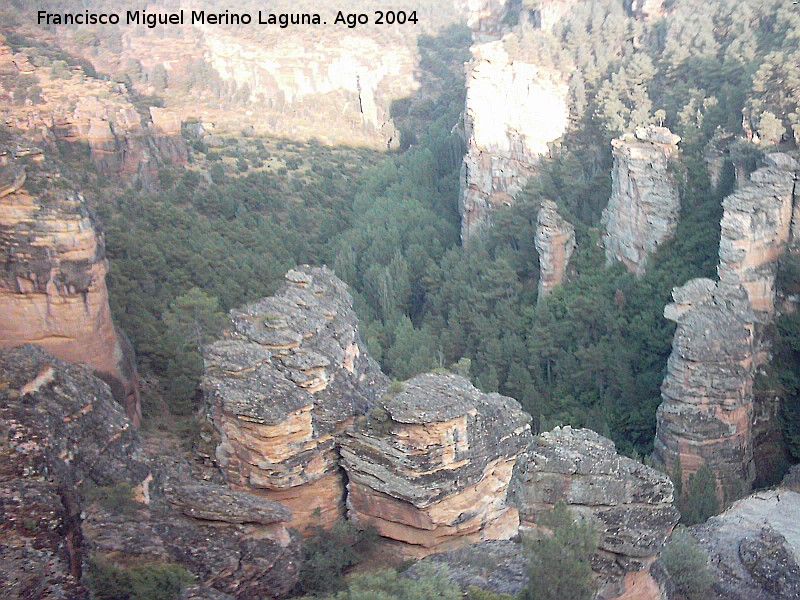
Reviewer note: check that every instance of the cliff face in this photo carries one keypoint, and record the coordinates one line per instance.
(555, 243)
(64, 441)
(430, 465)
(644, 206)
(286, 381)
(52, 285)
(629, 504)
(514, 110)
(707, 409)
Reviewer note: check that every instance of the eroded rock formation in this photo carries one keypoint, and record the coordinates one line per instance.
(52, 284)
(644, 207)
(555, 243)
(707, 396)
(431, 464)
(66, 448)
(283, 384)
(514, 110)
(629, 504)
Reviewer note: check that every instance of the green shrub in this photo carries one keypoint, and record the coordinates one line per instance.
(116, 498)
(153, 581)
(687, 564)
(432, 584)
(328, 553)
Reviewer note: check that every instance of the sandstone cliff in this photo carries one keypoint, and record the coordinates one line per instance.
(431, 464)
(66, 448)
(52, 286)
(280, 388)
(644, 207)
(707, 396)
(555, 243)
(629, 504)
(514, 110)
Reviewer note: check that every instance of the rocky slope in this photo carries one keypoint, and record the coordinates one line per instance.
(52, 284)
(431, 464)
(555, 243)
(283, 384)
(644, 207)
(75, 484)
(707, 396)
(514, 110)
(630, 505)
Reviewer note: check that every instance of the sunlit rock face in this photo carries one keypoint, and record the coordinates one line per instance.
(757, 226)
(705, 417)
(555, 243)
(64, 440)
(430, 466)
(514, 110)
(52, 284)
(282, 386)
(644, 207)
(629, 504)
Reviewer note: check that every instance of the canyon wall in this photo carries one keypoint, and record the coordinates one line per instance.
(430, 465)
(555, 243)
(76, 486)
(282, 386)
(644, 207)
(52, 285)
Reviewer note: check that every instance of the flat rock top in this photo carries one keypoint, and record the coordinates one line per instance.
(433, 398)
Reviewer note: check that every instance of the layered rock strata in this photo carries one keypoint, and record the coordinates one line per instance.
(706, 413)
(283, 384)
(644, 207)
(52, 286)
(431, 464)
(76, 485)
(629, 504)
(514, 111)
(555, 243)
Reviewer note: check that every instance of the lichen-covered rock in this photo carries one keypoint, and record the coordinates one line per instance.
(629, 504)
(555, 243)
(430, 466)
(52, 282)
(754, 547)
(705, 416)
(756, 226)
(282, 385)
(64, 444)
(644, 207)
(514, 110)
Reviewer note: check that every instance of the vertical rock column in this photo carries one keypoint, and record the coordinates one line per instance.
(281, 388)
(644, 207)
(555, 243)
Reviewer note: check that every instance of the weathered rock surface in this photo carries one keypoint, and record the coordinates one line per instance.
(707, 396)
(432, 463)
(555, 243)
(514, 111)
(644, 207)
(756, 229)
(283, 384)
(63, 437)
(754, 547)
(629, 504)
(52, 284)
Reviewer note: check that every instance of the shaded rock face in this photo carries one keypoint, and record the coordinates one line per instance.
(706, 412)
(555, 243)
(284, 383)
(756, 230)
(61, 435)
(52, 284)
(431, 465)
(644, 207)
(629, 504)
(754, 547)
(514, 110)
